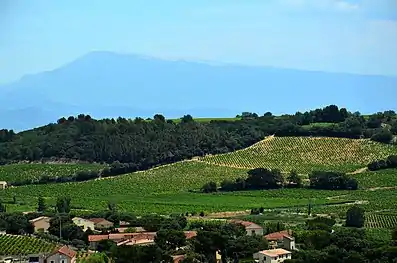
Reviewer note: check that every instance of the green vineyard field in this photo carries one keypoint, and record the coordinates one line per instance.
(23, 245)
(305, 154)
(174, 188)
(22, 172)
(381, 221)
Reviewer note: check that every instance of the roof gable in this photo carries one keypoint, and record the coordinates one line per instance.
(65, 250)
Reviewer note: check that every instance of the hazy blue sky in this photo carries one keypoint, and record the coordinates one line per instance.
(330, 35)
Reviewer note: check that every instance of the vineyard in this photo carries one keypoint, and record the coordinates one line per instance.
(305, 154)
(22, 172)
(381, 220)
(174, 188)
(22, 245)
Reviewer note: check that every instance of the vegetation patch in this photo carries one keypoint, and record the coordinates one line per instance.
(22, 245)
(305, 154)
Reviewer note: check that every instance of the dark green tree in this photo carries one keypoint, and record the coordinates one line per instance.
(355, 216)
(170, 240)
(41, 206)
(209, 187)
(63, 204)
(294, 180)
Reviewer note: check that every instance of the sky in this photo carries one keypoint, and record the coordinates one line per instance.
(328, 35)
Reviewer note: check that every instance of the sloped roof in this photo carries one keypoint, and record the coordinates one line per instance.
(246, 224)
(38, 219)
(65, 250)
(99, 220)
(96, 238)
(275, 252)
(190, 234)
(278, 235)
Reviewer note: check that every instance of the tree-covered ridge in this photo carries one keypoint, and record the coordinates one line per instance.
(144, 144)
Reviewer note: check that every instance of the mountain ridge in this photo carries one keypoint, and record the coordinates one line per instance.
(101, 82)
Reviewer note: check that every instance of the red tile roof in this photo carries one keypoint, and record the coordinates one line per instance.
(246, 224)
(275, 252)
(97, 238)
(278, 235)
(178, 258)
(190, 234)
(67, 252)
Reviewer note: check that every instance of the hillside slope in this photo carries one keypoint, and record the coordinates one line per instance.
(305, 154)
(168, 189)
(106, 84)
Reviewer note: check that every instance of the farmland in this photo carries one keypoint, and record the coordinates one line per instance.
(35, 171)
(173, 188)
(381, 220)
(305, 154)
(23, 245)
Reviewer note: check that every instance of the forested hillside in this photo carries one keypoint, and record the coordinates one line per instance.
(147, 143)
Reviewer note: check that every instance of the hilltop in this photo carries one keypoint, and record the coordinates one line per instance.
(105, 84)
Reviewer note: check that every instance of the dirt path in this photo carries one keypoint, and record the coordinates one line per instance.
(359, 171)
(381, 188)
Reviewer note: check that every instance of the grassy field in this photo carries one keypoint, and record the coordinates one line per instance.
(172, 188)
(23, 245)
(34, 171)
(305, 154)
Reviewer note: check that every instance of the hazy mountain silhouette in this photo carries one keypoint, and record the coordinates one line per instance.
(106, 84)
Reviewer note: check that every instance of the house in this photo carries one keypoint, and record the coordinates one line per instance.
(83, 223)
(101, 223)
(140, 239)
(3, 184)
(41, 223)
(289, 243)
(272, 256)
(251, 228)
(61, 255)
(281, 239)
(130, 239)
(119, 237)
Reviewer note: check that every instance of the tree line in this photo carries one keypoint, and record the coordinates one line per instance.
(263, 179)
(389, 162)
(147, 143)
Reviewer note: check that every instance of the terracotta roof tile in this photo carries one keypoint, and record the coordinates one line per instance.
(246, 224)
(277, 235)
(96, 238)
(190, 234)
(67, 251)
(275, 252)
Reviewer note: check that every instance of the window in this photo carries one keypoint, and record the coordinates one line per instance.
(253, 232)
(62, 261)
(52, 261)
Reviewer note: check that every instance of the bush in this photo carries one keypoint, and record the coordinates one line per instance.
(384, 136)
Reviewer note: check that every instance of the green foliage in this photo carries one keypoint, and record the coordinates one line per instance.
(380, 220)
(332, 181)
(17, 174)
(63, 204)
(41, 206)
(383, 136)
(16, 245)
(305, 154)
(355, 217)
(95, 258)
(209, 187)
(170, 239)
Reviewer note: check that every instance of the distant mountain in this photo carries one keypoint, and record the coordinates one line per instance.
(106, 84)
